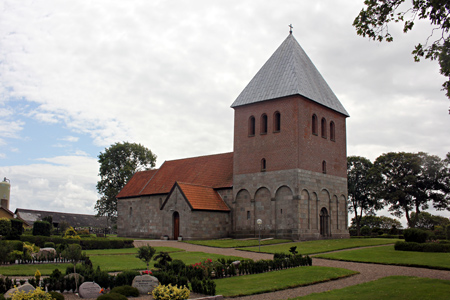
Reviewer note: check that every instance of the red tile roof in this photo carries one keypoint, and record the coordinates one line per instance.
(136, 183)
(215, 171)
(202, 197)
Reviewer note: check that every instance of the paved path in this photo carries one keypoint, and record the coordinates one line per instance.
(368, 272)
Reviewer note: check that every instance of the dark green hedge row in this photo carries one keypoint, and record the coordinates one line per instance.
(86, 244)
(422, 247)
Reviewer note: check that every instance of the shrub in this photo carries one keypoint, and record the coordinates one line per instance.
(125, 278)
(365, 231)
(5, 226)
(70, 233)
(42, 228)
(126, 290)
(422, 247)
(37, 294)
(56, 295)
(415, 235)
(112, 296)
(49, 245)
(16, 229)
(162, 292)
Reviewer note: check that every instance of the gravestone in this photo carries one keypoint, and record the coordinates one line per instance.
(89, 289)
(145, 283)
(23, 288)
(46, 253)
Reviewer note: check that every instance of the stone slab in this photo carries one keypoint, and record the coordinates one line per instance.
(23, 288)
(89, 289)
(145, 283)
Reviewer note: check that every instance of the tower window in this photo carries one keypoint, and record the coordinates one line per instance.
(248, 215)
(314, 125)
(264, 124)
(251, 126)
(324, 167)
(263, 165)
(276, 122)
(324, 128)
(332, 131)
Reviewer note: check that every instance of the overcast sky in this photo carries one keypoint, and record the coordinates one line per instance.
(78, 76)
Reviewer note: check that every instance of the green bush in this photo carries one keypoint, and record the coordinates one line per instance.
(42, 228)
(422, 247)
(112, 296)
(5, 226)
(16, 229)
(126, 290)
(57, 296)
(365, 231)
(415, 235)
(125, 278)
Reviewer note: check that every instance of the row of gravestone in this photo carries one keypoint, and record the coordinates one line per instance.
(144, 283)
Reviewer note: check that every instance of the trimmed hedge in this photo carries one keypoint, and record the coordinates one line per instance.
(42, 228)
(415, 235)
(422, 247)
(126, 290)
(112, 296)
(86, 244)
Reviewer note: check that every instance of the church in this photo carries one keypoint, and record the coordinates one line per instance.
(286, 177)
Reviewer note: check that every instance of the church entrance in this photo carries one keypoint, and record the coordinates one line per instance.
(176, 225)
(324, 221)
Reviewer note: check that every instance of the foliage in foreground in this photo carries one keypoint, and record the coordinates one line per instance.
(169, 292)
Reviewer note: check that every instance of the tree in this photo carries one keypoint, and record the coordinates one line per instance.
(362, 180)
(425, 220)
(382, 222)
(163, 259)
(118, 164)
(373, 21)
(411, 181)
(145, 253)
(73, 253)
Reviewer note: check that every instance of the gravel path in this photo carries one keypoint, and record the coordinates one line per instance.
(368, 272)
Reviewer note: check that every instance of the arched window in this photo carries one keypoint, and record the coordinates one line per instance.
(324, 167)
(314, 124)
(251, 126)
(276, 122)
(332, 131)
(324, 128)
(264, 124)
(263, 165)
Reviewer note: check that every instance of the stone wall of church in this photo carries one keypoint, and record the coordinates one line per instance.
(194, 224)
(289, 203)
(140, 217)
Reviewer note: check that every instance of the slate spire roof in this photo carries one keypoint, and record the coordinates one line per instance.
(289, 71)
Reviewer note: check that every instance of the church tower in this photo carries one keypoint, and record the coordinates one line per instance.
(290, 164)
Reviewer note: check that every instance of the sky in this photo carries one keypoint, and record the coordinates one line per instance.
(78, 76)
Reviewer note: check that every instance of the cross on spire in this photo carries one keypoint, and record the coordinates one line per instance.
(290, 28)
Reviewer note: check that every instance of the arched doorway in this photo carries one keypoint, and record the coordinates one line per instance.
(176, 225)
(324, 221)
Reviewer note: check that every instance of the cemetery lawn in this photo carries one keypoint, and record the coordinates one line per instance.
(394, 287)
(320, 246)
(388, 256)
(128, 251)
(232, 243)
(277, 280)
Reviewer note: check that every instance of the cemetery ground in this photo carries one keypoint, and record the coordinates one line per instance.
(369, 278)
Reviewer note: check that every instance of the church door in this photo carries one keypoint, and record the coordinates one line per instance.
(176, 225)
(324, 221)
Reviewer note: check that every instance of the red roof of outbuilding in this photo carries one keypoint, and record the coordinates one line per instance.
(215, 171)
(202, 197)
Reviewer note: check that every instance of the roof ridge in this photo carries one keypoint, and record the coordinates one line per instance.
(194, 184)
(206, 155)
(150, 179)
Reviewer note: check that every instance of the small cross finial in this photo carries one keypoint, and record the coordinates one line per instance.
(290, 30)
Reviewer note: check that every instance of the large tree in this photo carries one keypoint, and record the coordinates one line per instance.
(362, 180)
(411, 181)
(118, 163)
(373, 22)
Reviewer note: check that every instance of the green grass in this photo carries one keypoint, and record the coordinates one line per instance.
(395, 288)
(231, 243)
(127, 251)
(277, 280)
(29, 270)
(388, 255)
(113, 263)
(320, 246)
